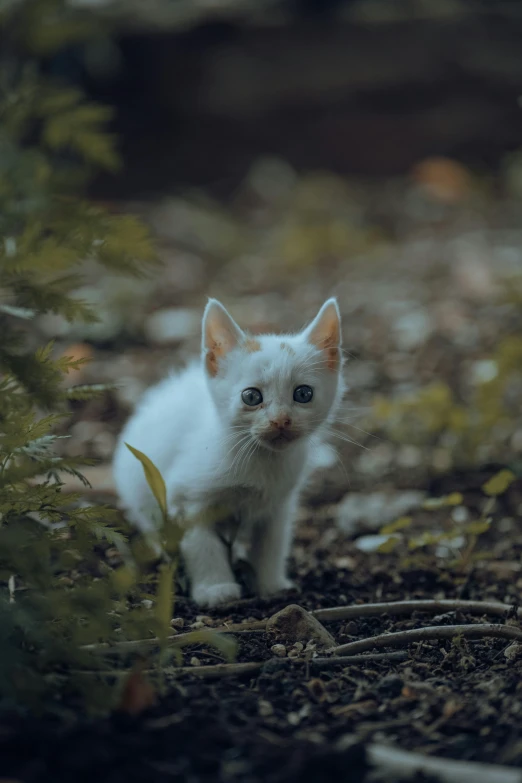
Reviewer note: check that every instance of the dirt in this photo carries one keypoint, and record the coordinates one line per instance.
(455, 699)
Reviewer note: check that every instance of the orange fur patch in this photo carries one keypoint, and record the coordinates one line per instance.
(333, 358)
(211, 361)
(251, 345)
(286, 347)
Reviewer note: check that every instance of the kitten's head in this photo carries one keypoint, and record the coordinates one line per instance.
(276, 389)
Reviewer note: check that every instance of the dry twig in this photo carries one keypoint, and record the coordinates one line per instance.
(135, 645)
(400, 763)
(394, 608)
(478, 631)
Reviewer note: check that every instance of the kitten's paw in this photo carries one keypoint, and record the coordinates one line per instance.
(266, 589)
(214, 595)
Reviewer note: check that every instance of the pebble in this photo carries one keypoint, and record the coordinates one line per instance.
(172, 325)
(264, 708)
(460, 514)
(413, 329)
(514, 651)
(359, 511)
(205, 619)
(295, 624)
(195, 661)
(177, 622)
(369, 544)
(279, 650)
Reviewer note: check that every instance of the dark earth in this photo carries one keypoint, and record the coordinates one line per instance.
(453, 699)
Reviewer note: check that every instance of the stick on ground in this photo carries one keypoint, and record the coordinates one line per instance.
(394, 763)
(478, 631)
(394, 608)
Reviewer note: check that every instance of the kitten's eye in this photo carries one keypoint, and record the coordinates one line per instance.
(252, 397)
(303, 394)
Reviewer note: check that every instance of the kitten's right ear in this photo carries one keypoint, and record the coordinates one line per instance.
(221, 334)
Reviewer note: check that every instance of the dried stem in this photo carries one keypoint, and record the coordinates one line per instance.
(135, 645)
(393, 763)
(394, 608)
(219, 670)
(478, 631)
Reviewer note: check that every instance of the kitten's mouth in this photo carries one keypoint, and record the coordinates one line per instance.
(279, 441)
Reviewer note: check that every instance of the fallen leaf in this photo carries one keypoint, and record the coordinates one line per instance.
(498, 483)
(443, 179)
(138, 693)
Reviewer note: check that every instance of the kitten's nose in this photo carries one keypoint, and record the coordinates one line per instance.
(281, 423)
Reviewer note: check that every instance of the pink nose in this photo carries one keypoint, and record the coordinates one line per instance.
(282, 423)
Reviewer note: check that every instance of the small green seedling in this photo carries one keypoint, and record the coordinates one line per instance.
(171, 533)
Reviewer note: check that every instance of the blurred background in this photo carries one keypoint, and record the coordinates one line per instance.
(283, 151)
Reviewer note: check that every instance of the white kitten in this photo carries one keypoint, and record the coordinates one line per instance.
(243, 429)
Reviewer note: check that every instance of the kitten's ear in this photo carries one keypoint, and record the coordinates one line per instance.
(325, 333)
(220, 335)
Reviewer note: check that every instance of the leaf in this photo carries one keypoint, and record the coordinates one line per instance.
(154, 479)
(388, 546)
(430, 504)
(138, 694)
(226, 644)
(478, 527)
(399, 524)
(18, 312)
(454, 499)
(499, 483)
(123, 579)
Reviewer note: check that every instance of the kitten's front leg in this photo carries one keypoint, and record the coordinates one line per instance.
(207, 562)
(272, 540)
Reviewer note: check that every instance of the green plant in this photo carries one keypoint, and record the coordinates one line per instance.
(461, 536)
(56, 592)
(169, 535)
(432, 416)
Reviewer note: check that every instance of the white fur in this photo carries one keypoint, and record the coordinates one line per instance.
(212, 449)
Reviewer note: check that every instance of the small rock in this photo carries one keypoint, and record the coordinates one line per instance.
(147, 603)
(372, 543)
(359, 511)
(279, 650)
(460, 514)
(264, 708)
(205, 619)
(294, 624)
(177, 622)
(409, 456)
(413, 329)
(317, 689)
(513, 651)
(172, 325)
(483, 371)
(344, 563)
(195, 661)
(197, 625)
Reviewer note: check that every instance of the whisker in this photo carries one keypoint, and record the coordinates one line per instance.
(345, 438)
(318, 443)
(359, 429)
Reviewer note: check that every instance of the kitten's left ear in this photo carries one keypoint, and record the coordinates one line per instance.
(221, 334)
(325, 333)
